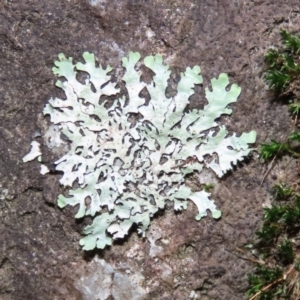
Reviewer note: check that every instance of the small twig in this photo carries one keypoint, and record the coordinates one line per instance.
(271, 165)
(296, 120)
(273, 283)
(258, 261)
(275, 156)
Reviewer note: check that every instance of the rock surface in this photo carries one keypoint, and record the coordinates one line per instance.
(182, 259)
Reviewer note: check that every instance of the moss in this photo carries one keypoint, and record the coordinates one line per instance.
(277, 275)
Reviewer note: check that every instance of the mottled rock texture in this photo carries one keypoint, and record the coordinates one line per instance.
(39, 253)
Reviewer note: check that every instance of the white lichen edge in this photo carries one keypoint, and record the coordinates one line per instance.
(44, 169)
(34, 152)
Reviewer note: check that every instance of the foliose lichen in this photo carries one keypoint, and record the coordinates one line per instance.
(126, 159)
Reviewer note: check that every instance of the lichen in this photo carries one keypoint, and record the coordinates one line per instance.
(122, 172)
